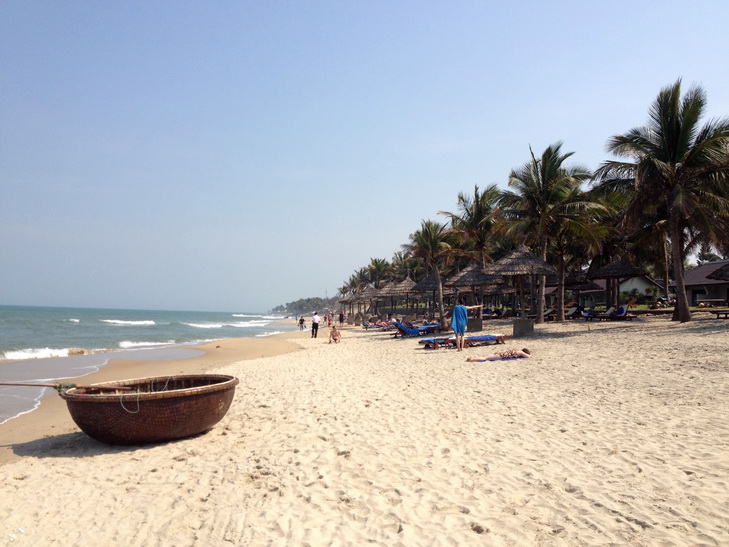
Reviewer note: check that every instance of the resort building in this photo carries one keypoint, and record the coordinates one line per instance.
(701, 289)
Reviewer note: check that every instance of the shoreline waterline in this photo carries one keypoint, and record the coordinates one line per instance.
(50, 416)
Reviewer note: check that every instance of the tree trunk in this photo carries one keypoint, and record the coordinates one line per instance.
(560, 291)
(681, 312)
(440, 294)
(542, 280)
(665, 270)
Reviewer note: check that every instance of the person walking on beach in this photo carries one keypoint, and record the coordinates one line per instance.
(315, 325)
(301, 322)
(460, 320)
(503, 355)
(335, 335)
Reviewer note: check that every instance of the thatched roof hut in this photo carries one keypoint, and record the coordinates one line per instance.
(520, 262)
(365, 295)
(473, 275)
(426, 284)
(398, 289)
(614, 271)
(616, 268)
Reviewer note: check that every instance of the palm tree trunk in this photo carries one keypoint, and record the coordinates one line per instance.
(665, 270)
(440, 293)
(542, 282)
(681, 312)
(560, 291)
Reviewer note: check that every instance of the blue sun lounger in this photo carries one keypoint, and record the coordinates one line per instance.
(404, 330)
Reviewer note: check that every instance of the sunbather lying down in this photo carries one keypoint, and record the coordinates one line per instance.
(502, 355)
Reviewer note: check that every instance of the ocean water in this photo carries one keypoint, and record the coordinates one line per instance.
(35, 342)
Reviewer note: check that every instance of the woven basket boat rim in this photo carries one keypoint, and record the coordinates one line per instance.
(226, 382)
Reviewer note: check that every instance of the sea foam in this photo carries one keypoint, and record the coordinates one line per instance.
(128, 344)
(122, 322)
(35, 353)
(238, 324)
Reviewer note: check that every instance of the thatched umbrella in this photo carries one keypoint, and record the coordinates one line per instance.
(395, 290)
(473, 276)
(720, 274)
(347, 300)
(429, 284)
(616, 268)
(614, 271)
(520, 263)
(500, 289)
(571, 280)
(405, 286)
(366, 295)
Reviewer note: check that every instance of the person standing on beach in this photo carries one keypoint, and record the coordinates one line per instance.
(341, 318)
(460, 320)
(301, 322)
(315, 325)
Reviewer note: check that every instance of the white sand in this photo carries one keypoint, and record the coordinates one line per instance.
(617, 435)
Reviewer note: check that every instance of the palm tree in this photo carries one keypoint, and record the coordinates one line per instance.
(433, 243)
(378, 271)
(577, 233)
(358, 280)
(706, 254)
(400, 266)
(679, 166)
(543, 196)
(476, 220)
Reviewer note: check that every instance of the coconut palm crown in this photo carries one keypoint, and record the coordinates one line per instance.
(544, 192)
(679, 165)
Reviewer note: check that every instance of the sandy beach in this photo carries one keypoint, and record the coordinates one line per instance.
(612, 433)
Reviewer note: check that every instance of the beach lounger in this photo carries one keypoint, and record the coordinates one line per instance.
(438, 342)
(547, 315)
(468, 341)
(600, 316)
(405, 330)
(572, 313)
(382, 327)
(621, 315)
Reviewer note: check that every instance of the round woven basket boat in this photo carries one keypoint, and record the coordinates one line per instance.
(156, 409)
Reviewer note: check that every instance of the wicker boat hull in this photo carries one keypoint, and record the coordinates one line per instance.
(155, 409)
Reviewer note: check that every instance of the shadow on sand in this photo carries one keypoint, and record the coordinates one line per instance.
(72, 445)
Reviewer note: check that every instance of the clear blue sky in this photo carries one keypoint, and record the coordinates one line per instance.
(238, 155)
